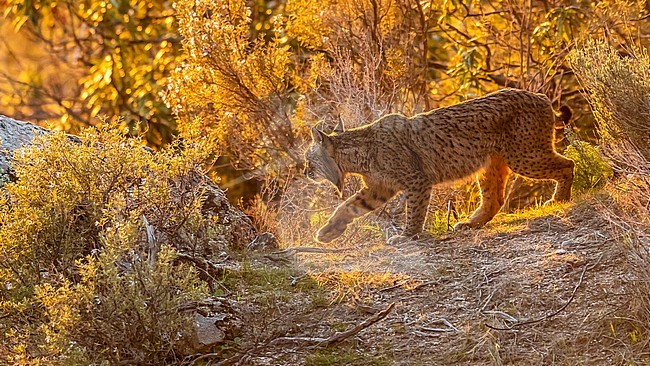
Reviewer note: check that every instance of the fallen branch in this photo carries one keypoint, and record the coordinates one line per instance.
(548, 316)
(313, 341)
(211, 269)
(294, 250)
(338, 336)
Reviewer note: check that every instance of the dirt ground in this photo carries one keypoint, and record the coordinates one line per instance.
(544, 287)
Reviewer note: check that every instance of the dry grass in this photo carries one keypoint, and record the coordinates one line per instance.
(495, 277)
(563, 272)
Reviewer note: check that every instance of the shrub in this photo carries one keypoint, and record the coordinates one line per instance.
(618, 90)
(617, 86)
(591, 170)
(89, 235)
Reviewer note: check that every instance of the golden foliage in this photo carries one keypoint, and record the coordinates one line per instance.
(120, 53)
(233, 83)
(81, 278)
(258, 74)
(256, 96)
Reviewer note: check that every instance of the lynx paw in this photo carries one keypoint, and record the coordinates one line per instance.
(397, 240)
(329, 232)
(462, 226)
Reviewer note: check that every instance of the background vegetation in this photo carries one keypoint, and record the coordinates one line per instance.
(241, 83)
(259, 73)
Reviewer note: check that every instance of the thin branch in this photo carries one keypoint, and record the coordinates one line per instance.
(294, 250)
(548, 316)
(338, 336)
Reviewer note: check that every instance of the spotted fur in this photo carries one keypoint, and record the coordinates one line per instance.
(508, 130)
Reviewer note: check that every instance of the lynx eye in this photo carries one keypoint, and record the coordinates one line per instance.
(309, 171)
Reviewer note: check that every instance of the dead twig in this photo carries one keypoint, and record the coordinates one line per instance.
(451, 208)
(294, 250)
(503, 314)
(450, 327)
(338, 336)
(398, 284)
(424, 284)
(548, 316)
(425, 334)
(487, 301)
(406, 281)
(228, 361)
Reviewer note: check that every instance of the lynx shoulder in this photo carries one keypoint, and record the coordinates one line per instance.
(510, 130)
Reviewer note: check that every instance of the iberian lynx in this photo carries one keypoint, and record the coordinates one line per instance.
(508, 130)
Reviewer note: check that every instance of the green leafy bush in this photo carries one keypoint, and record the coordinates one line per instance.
(591, 170)
(618, 90)
(89, 235)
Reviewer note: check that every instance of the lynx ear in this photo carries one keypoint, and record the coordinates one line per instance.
(318, 136)
(339, 126)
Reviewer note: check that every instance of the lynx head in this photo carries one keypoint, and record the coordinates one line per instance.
(319, 159)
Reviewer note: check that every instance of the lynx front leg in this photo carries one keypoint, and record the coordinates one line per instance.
(417, 201)
(364, 201)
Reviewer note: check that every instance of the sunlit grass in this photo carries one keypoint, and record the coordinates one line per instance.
(440, 221)
(267, 285)
(356, 284)
(516, 221)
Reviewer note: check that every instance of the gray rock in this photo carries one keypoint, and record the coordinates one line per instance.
(206, 334)
(14, 135)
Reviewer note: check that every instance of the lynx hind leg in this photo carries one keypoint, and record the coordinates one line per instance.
(492, 183)
(563, 174)
(548, 166)
(359, 204)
